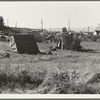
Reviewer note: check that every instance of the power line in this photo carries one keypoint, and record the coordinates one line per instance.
(88, 29)
(69, 26)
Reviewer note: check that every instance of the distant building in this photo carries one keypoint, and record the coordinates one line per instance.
(96, 32)
(73, 33)
(85, 33)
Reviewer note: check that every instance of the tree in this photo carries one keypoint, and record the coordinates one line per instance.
(1, 23)
(75, 46)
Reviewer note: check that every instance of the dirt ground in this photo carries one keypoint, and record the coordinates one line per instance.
(82, 65)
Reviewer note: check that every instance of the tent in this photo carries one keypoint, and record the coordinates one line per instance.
(37, 35)
(64, 30)
(24, 44)
(67, 41)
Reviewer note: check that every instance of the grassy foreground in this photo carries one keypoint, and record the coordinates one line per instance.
(63, 72)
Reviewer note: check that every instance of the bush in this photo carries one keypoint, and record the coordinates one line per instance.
(90, 38)
(75, 46)
(98, 40)
(1, 23)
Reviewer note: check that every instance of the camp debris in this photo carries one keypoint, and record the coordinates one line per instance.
(6, 55)
(49, 52)
(67, 41)
(24, 44)
(53, 48)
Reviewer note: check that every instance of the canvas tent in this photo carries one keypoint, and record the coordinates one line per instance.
(64, 30)
(24, 44)
(67, 41)
(37, 35)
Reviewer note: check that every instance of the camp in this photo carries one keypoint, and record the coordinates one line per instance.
(24, 44)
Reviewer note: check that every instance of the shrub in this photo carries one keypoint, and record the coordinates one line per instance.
(98, 40)
(75, 46)
(1, 23)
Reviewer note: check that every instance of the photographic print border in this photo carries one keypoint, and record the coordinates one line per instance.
(45, 96)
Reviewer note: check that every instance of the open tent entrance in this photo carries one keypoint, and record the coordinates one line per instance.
(24, 44)
(65, 42)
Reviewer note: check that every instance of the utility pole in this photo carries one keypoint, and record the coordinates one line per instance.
(69, 26)
(42, 24)
(88, 29)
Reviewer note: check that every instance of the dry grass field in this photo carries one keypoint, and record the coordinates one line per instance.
(63, 72)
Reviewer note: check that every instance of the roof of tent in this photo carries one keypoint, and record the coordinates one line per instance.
(26, 44)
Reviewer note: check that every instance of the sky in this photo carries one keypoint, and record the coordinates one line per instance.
(54, 14)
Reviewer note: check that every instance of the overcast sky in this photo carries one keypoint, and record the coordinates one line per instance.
(54, 14)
